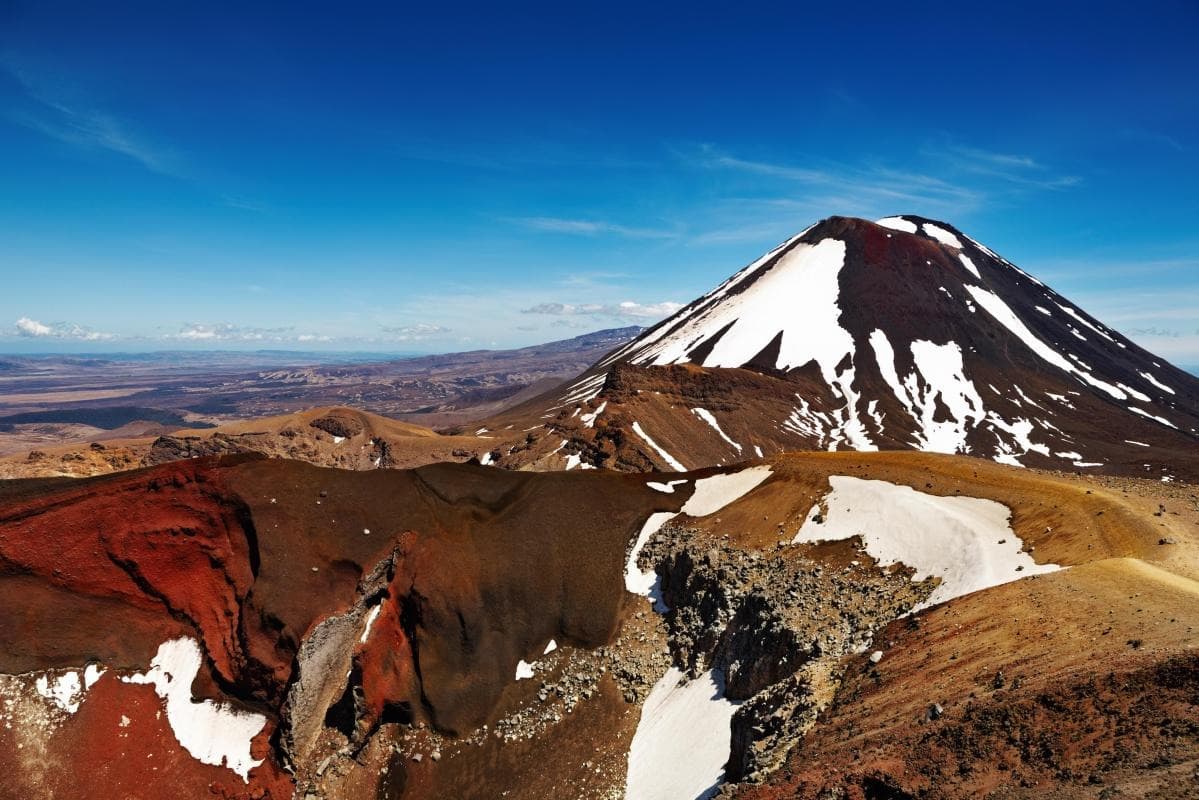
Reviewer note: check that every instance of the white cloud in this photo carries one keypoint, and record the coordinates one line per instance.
(27, 327)
(31, 327)
(627, 310)
(416, 332)
(229, 332)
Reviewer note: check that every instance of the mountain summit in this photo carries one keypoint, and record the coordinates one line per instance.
(903, 333)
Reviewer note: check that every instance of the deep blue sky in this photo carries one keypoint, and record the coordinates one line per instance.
(403, 177)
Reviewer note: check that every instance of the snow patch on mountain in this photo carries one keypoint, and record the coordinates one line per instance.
(667, 457)
(67, 689)
(682, 740)
(897, 223)
(1003, 314)
(968, 264)
(941, 235)
(214, 733)
(967, 542)
(707, 417)
(1147, 376)
(711, 494)
(717, 491)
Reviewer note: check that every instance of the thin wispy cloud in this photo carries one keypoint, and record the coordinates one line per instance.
(88, 128)
(866, 182)
(1155, 138)
(1135, 269)
(1020, 170)
(591, 227)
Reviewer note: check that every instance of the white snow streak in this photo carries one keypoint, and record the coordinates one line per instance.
(635, 580)
(667, 457)
(1006, 317)
(1162, 420)
(968, 264)
(707, 417)
(1157, 383)
(943, 375)
(1074, 313)
(371, 616)
(588, 420)
(666, 487)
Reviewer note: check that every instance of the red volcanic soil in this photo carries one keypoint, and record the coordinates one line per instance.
(273, 566)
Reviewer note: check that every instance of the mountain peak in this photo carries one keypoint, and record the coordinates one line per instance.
(906, 333)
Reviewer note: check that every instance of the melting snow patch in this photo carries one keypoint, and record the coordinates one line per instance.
(583, 390)
(1156, 382)
(667, 457)
(549, 648)
(523, 670)
(1144, 398)
(338, 439)
(68, 689)
(683, 739)
(965, 541)
(214, 733)
(635, 580)
(666, 487)
(714, 493)
(711, 494)
(758, 451)
(588, 420)
(1162, 420)
(1139, 444)
(968, 264)
(370, 622)
(485, 459)
(943, 236)
(1084, 321)
(1061, 398)
(943, 377)
(897, 224)
(707, 417)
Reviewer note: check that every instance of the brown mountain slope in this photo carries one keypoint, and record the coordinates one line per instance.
(334, 437)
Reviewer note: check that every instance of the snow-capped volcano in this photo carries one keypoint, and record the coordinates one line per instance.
(896, 334)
